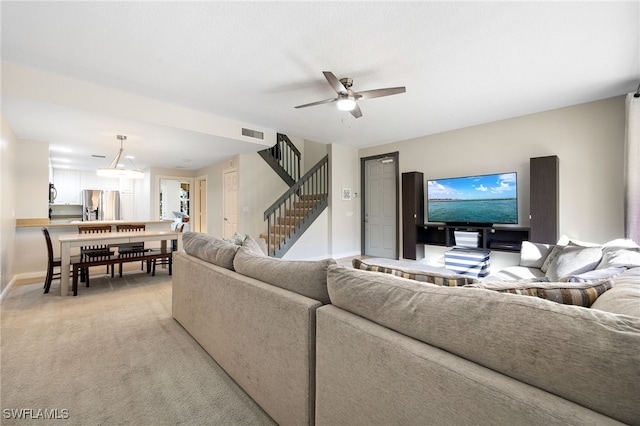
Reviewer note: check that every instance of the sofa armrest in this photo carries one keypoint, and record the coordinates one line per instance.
(262, 336)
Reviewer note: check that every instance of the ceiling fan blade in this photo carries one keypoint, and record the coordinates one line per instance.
(334, 82)
(356, 112)
(376, 93)
(326, 101)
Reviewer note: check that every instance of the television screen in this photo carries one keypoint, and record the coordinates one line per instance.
(485, 199)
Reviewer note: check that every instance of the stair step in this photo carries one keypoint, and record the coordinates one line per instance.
(312, 196)
(301, 212)
(273, 237)
(288, 220)
(306, 204)
(282, 229)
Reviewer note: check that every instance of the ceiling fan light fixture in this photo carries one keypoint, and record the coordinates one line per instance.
(117, 170)
(346, 103)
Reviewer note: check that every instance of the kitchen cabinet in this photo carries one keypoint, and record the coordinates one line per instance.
(68, 184)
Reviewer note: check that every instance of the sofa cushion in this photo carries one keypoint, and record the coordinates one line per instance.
(573, 260)
(306, 277)
(210, 249)
(584, 355)
(417, 272)
(624, 297)
(574, 293)
(533, 255)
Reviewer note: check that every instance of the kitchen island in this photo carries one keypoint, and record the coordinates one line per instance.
(31, 250)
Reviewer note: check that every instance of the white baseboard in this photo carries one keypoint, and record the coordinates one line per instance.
(7, 289)
(39, 275)
(346, 254)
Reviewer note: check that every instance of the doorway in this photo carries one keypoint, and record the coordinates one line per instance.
(230, 203)
(380, 205)
(174, 200)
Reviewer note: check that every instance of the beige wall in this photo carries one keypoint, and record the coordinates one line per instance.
(8, 172)
(588, 139)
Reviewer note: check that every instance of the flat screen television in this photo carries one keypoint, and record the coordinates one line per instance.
(474, 200)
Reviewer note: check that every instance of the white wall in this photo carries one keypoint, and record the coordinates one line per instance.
(344, 225)
(313, 152)
(588, 139)
(259, 187)
(32, 179)
(8, 173)
(213, 174)
(314, 243)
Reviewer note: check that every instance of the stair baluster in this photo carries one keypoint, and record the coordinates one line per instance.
(296, 209)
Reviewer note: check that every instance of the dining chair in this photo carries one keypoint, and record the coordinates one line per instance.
(94, 251)
(52, 263)
(128, 248)
(168, 260)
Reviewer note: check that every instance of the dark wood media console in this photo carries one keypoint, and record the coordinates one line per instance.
(544, 214)
(500, 238)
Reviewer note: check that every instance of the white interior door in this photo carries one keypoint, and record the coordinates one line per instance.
(380, 215)
(230, 203)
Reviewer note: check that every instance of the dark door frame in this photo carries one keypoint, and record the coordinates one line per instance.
(363, 185)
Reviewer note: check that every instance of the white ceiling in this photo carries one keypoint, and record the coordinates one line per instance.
(250, 63)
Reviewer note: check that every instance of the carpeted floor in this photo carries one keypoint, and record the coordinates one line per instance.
(113, 355)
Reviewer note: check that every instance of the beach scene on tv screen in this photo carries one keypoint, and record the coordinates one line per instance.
(474, 199)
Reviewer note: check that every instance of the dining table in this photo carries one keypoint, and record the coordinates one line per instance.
(69, 240)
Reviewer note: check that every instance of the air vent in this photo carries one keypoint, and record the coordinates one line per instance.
(252, 133)
(98, 156)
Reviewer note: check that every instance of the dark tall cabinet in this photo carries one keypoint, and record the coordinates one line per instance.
(412, 214)
(544, 192)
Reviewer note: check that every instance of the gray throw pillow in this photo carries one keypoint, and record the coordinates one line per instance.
(574, 260)
(210, 249)
(555, 251)
(595, 275)
(567, 293)
(620, 257)
(254, 246)
(305, 277)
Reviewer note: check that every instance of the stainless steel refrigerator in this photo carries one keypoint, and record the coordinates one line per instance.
(101, 205)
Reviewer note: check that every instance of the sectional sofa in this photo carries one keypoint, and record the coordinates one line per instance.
(314, 342)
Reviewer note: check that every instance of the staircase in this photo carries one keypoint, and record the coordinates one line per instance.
(291, 214)
(284, 159)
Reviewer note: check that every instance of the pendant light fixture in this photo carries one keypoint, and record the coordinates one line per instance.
(118, 170)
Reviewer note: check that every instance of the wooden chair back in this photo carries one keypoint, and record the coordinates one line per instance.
(138, 227)
(96, 250)
(47, 238)
(131, 227)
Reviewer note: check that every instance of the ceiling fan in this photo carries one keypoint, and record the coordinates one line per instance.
(347, 98)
